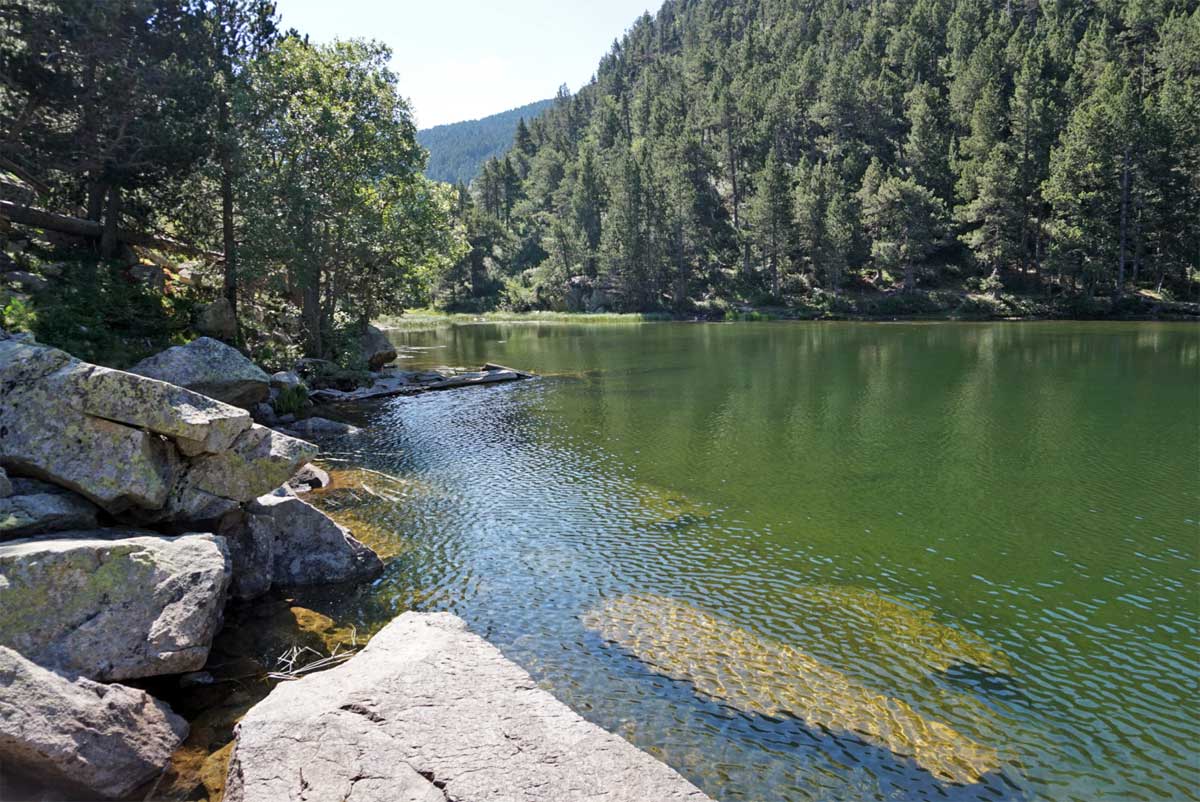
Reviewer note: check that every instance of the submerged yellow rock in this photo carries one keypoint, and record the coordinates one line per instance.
(868, 619)
(759, 675)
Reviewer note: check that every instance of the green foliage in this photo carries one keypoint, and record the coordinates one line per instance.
(335, 207)
(96, 312)
(299, 163)
(291, 400)
(18, 315)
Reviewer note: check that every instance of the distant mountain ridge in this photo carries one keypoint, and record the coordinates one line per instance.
(457, 151)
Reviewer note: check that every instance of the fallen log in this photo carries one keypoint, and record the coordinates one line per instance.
(90, 229)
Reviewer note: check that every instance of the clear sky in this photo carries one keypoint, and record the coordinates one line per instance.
(465, 59)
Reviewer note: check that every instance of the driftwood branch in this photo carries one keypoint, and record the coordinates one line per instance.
(90, 229)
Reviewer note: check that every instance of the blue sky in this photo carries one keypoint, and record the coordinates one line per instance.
(460, 60)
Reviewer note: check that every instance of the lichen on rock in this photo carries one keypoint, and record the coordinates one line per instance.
(113, 604)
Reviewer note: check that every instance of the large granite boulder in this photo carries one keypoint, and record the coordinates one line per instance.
(377, 349)
(113, 604)
(430, 712)
(34, 508)
(102, 432)
(99, 739)
(211, 368)
(308, 547)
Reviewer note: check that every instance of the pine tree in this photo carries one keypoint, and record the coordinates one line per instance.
(926, 149)
(1092, 173)
(587, 204)
(771, 218)
(623, 247)
(995, 214)
(904, 220)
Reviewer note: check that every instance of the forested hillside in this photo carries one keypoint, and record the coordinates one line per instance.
(458, 150)
(788, 151)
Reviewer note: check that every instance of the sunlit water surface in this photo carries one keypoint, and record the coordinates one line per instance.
(1028, 491)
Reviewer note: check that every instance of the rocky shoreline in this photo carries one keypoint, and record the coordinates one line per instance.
(136, 506)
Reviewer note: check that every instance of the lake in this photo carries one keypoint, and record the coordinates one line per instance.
(776, 554)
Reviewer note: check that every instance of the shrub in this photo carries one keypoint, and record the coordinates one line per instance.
(291, 400)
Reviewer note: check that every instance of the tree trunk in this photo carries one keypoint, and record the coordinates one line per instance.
(314, 344)
(1124, 225)
(109, 243)
(94, 230)
(228, 238)
(95, 199)
(909, 278)
(1137, 244)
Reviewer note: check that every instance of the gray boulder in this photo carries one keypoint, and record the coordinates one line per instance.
(5, 485)
(430, 712)
(319, 427)
(34, 507)
(211, 368)
(113, 604)
(99, 739)
(100, 432)
(286, 379)
(27, 281)
(217, 320)
(377, 349)
(310, 477)
(309, 548)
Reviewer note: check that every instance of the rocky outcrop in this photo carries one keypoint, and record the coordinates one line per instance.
(209, 367)
(102, 432)
(430, 712)
(34, 507)
(99, 739)
(377, 349)
(308, 547)
(113, 604)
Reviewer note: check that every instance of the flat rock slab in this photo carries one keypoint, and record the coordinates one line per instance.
(429, 712)
(410, 383)
(113, 604)
(101, 739)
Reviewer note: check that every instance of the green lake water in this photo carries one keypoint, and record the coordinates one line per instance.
(863, 498)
